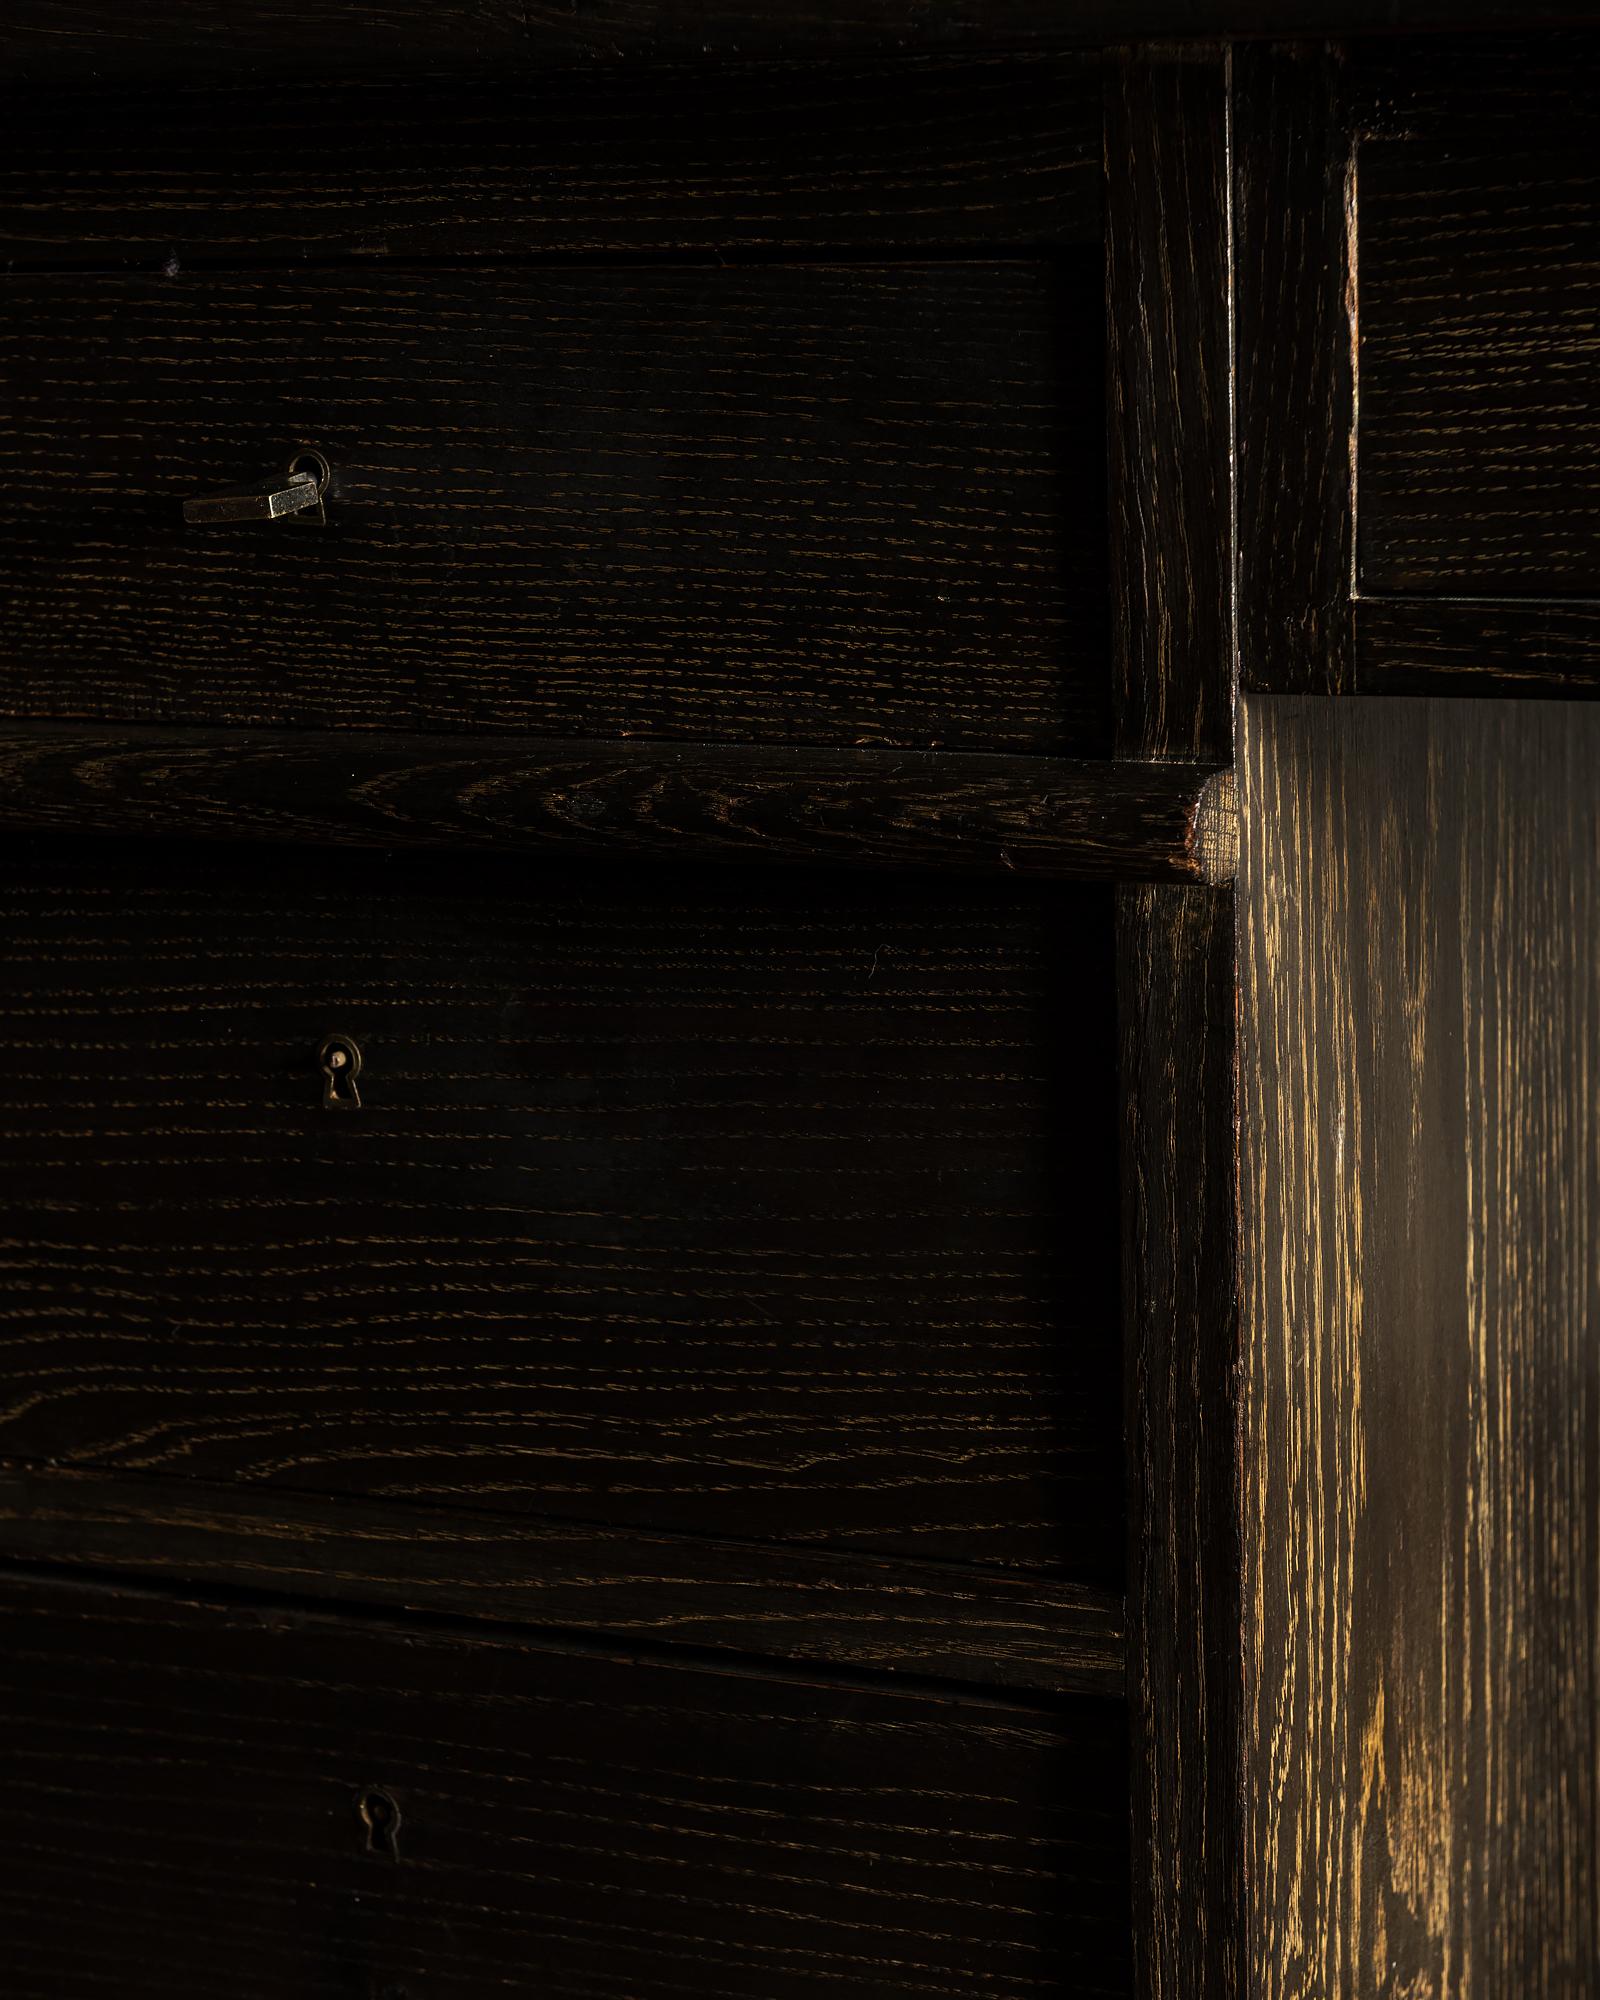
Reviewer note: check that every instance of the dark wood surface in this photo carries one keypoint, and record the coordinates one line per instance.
(1478, 455)
(1293, 381)
(1440, 196)
(754, 160)
(952, 810)
(1420, 1011)
(1419, 645)
(1478, 231)
(1171, 511)
(844, 504)
(1519, 87)
(708, 1332)
(739, 1204)
(1175, 992)
(862, 1613)
(180, 1815)
(47, 41)
(1168, 287)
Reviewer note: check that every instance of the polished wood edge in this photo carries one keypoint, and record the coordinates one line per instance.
(1547, 648)
(835, 1611)
(1016, 815)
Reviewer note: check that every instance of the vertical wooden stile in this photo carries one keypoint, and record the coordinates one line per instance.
(1172, 564)
(1419, 1017)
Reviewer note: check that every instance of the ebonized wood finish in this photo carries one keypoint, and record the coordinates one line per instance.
(1171, 510)
(568, 1823)
(1019, 816)
(1478, 225)
(720, 1266)
(1175, 991)
(1478, 454)
(738, 1205)
(706, 1335)
(1415, 645)
(862, 1613)
(847, 504)
(1424, 215)
(1293, 381)
(1420, 1013)
(942, 157)
(1512, 84)
(50, 41)
(1168, 292)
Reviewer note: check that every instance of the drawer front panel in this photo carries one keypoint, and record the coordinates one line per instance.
(182, 1814)
(712, 1203)
(1479, 433)
(848, 505)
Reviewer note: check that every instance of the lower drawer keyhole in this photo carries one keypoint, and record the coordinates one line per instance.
(380, 1820)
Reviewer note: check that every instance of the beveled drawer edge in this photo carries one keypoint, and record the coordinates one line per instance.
(1036, 816)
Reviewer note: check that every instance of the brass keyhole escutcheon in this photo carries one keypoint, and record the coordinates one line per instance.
(380, 1820)
(340, 1062)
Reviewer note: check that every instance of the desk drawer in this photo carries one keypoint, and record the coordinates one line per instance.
(718, 1203)
(841, 504)
(184, 1790)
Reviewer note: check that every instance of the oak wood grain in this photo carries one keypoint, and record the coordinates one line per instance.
(54, 41)
(929, 1620)
(1294, 387)
(949, 810)
(1513, 85)
(1420, 1014)
(179, 1815)
(1429, 645)
(850, 504)
(742, 1204)
(1478, 457)
(750, 160)
(1168, 295)
(1176, 1001)
(1168, 284)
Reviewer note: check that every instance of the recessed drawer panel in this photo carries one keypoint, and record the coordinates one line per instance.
(844, 504)
(1479, 429)
(718, 1203)
(200, 1800)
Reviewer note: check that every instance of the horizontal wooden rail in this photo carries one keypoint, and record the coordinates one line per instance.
(1034, 816)
(44, 42)
(853, 1611)
(1478, 646)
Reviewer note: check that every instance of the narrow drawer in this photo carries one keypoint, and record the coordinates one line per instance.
(709, 1202)
(201, 1800)
(829, 503)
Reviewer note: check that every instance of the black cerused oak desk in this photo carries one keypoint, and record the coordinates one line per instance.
(799, 1167)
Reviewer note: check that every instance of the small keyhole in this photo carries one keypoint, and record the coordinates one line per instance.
(308, 459)
(340, 1062)
(380, 1820)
